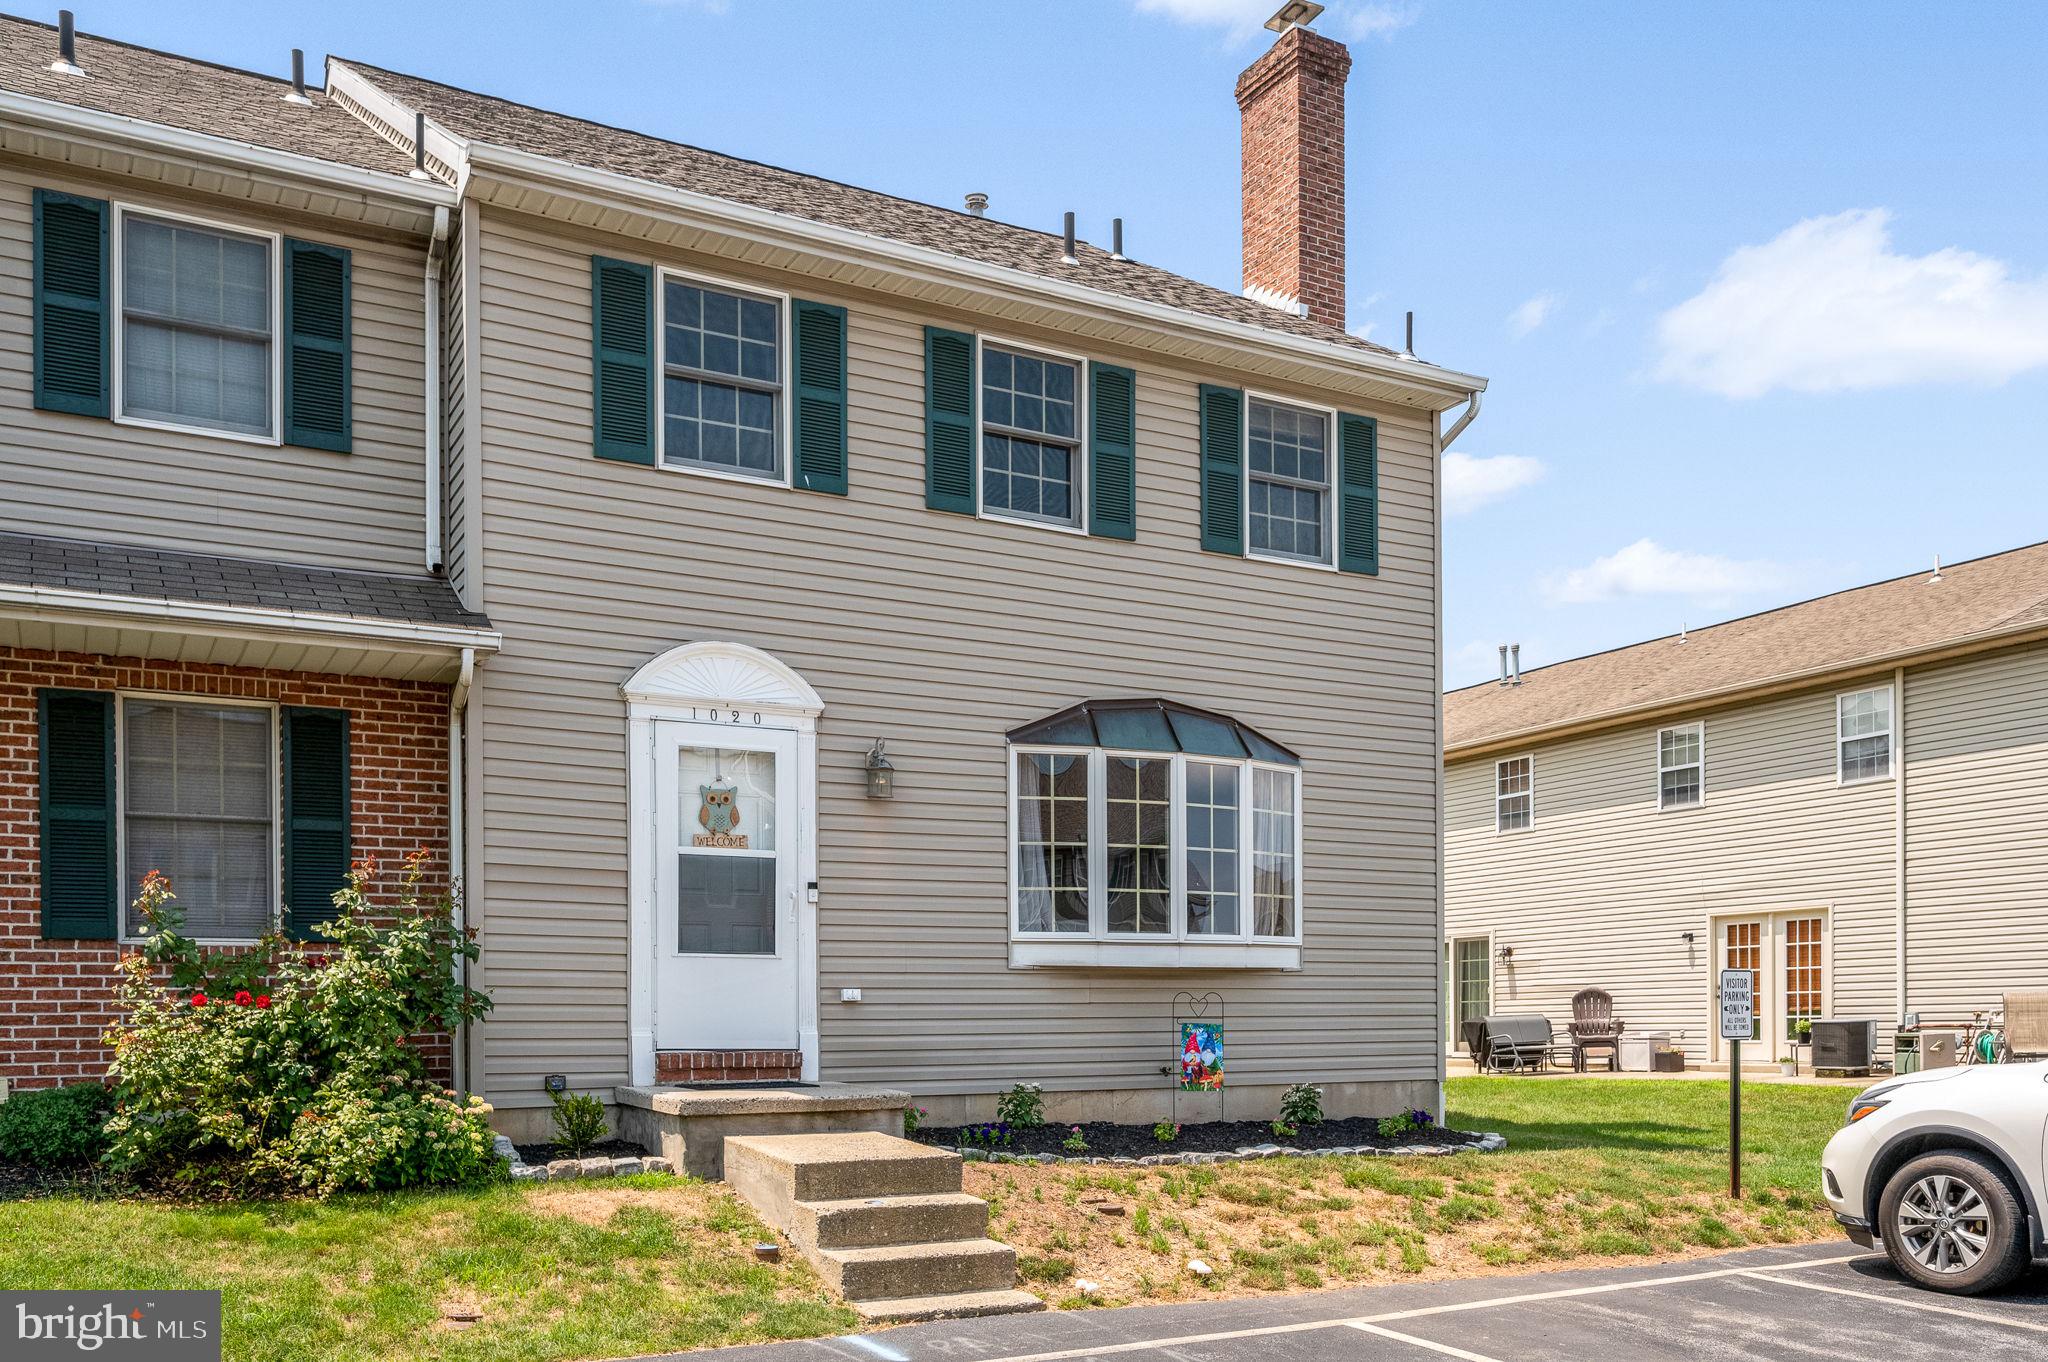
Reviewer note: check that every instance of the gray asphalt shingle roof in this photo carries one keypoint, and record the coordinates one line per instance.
(196, 578)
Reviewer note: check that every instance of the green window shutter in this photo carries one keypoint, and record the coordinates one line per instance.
(820, 427)
(949, 420)
(80, 853)
(622, 358)
(1358, 494)
(315, 800)
(1222, 417)
(1112, 452)
(316, 337)
(71, 284)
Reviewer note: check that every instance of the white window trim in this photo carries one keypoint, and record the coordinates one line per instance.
(1891, 750)
(1178, 947)
(117, 266)
(122, 905)
(1498, 797)
(785, 365)
(1244, 464)
(1081, 489)
(1698, 726)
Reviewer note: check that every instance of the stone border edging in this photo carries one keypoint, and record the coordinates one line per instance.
(1488, 1143)
(563, 1170)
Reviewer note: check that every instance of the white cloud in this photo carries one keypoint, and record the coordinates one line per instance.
(1471, 482)
(1829, 306)
(1377, 20)
(1531, 314)
(1647, 568)
(1364, 330)
(1365, 19)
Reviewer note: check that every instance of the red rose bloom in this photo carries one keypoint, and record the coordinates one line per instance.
(199, 1000)
(263, 1000)
(243, 997)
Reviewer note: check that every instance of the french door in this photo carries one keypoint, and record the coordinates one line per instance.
(1468, 967)
(1786, 955)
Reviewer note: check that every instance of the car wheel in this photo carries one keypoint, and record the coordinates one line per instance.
(1951, 1222)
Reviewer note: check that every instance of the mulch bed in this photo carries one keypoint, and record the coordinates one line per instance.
(30, 1181)
(610, 1149)
(1107, 1140)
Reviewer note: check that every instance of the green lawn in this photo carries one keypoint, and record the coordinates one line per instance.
(636, 1265)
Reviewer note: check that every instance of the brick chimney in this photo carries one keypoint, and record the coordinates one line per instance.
(1292, 99)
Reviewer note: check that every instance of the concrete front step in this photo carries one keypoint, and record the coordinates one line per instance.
(689, 1126)
(892, 1271)
(960, 1305)
(871, 1222)
(777, 1171)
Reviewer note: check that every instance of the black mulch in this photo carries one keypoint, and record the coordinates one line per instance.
(1107, 1140)
(610, 1149)
(29, 1181)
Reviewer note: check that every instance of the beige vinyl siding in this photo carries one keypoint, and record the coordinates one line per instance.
(1598, 892)
(1977, 831)
(937, 632)
(87, 478)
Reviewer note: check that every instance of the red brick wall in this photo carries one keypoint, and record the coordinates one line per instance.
(55, 996)
(1292, 101)
(727, 1066)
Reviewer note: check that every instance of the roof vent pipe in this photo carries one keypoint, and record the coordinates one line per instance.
(1937, 570)
(977, 204)
(1116, 239)
(1515, 662)
(298, 94)
(67, 46)
(1503, 664)
(1408, 345)
(419, 147)
(1068, 257)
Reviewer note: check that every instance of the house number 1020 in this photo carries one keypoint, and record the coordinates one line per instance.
(723, 716)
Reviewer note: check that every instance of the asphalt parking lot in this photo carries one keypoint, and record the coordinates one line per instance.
(1823, 1301)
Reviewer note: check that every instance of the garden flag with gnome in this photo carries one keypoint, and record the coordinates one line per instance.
(1201, 1056)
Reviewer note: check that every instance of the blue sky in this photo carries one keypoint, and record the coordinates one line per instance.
(1762, 289)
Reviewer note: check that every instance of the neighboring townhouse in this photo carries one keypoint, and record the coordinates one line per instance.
(1837, 796)
(904, 647)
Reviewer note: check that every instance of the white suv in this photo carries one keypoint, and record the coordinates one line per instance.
(1945, 1169)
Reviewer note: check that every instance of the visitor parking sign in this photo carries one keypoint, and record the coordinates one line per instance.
(1738, 1004)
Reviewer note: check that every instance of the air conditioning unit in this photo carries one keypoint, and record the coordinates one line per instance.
(1843, 1049)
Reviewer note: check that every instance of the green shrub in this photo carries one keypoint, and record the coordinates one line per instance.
(913, 1117)
(1166, 1132)
(55, 1125)
(1302, 1105)
(1076, 1142)
(1395, 1126)
(291, 1066)
(1022, 1107)
(579, 1121)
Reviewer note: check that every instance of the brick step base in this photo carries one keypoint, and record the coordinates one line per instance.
(728, 1066)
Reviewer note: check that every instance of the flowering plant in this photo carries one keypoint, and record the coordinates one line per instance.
(287, 1065)
(989, 1134)
(1076, 1142)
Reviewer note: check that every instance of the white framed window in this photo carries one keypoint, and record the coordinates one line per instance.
(1151, 846)
(1289, 457)
(1029, 457)
(1863, 735)
(1681, 766)
(198, 791)
(1514, 794)
(724, 379)
(198, 312)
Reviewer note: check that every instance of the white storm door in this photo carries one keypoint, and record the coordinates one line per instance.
(727, 828)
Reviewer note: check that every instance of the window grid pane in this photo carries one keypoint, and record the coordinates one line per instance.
(1029, 409)
(1680, 771)
(195, 342)
(196, 781)
(709, 335)
(1287, 490)
(1139, 799)
(1865, 742)
(1212, 864)
(1514, 801)
(1273, 870)
(1802, 972)
(1052, 842)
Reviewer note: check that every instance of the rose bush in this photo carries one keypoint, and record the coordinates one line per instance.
(287, 1066)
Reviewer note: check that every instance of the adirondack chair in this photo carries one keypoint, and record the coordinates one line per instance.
(1595, 1027)
(2026, 1024)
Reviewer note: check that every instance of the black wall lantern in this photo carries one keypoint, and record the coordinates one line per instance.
(881, 775)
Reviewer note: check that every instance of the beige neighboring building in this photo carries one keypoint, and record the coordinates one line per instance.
(1841, 796)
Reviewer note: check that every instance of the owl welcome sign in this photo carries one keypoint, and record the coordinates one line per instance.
(719, 816)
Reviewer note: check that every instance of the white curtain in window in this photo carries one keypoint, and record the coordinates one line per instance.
(197, 784)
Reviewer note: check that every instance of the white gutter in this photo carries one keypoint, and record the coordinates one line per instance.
(435, 252)
(585, 181)
(458, 704)
(70, 118)
(93, 607)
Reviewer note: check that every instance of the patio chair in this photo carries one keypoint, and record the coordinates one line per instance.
(1519, 1044)
(1595, 1027)
(2026, 1024)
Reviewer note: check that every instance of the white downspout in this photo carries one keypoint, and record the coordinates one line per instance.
(1446, 1036)
(1458, 426)
(458, 705)
(435, 252)
(1899, 831)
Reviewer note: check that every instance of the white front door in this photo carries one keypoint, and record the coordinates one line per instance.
(1787, 957)
(728, 833)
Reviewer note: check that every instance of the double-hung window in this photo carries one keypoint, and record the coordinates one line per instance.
(722, 380)
(1031, 464)
(1150, 823)
(1514, 794)
(1287, 487)
(198, 322)
(1681, 766)
(1863, 735)
(199, 802)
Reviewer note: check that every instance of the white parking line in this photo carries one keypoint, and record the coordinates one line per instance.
(1431, 1344)
(1486, 1303)
(1909, 1302)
